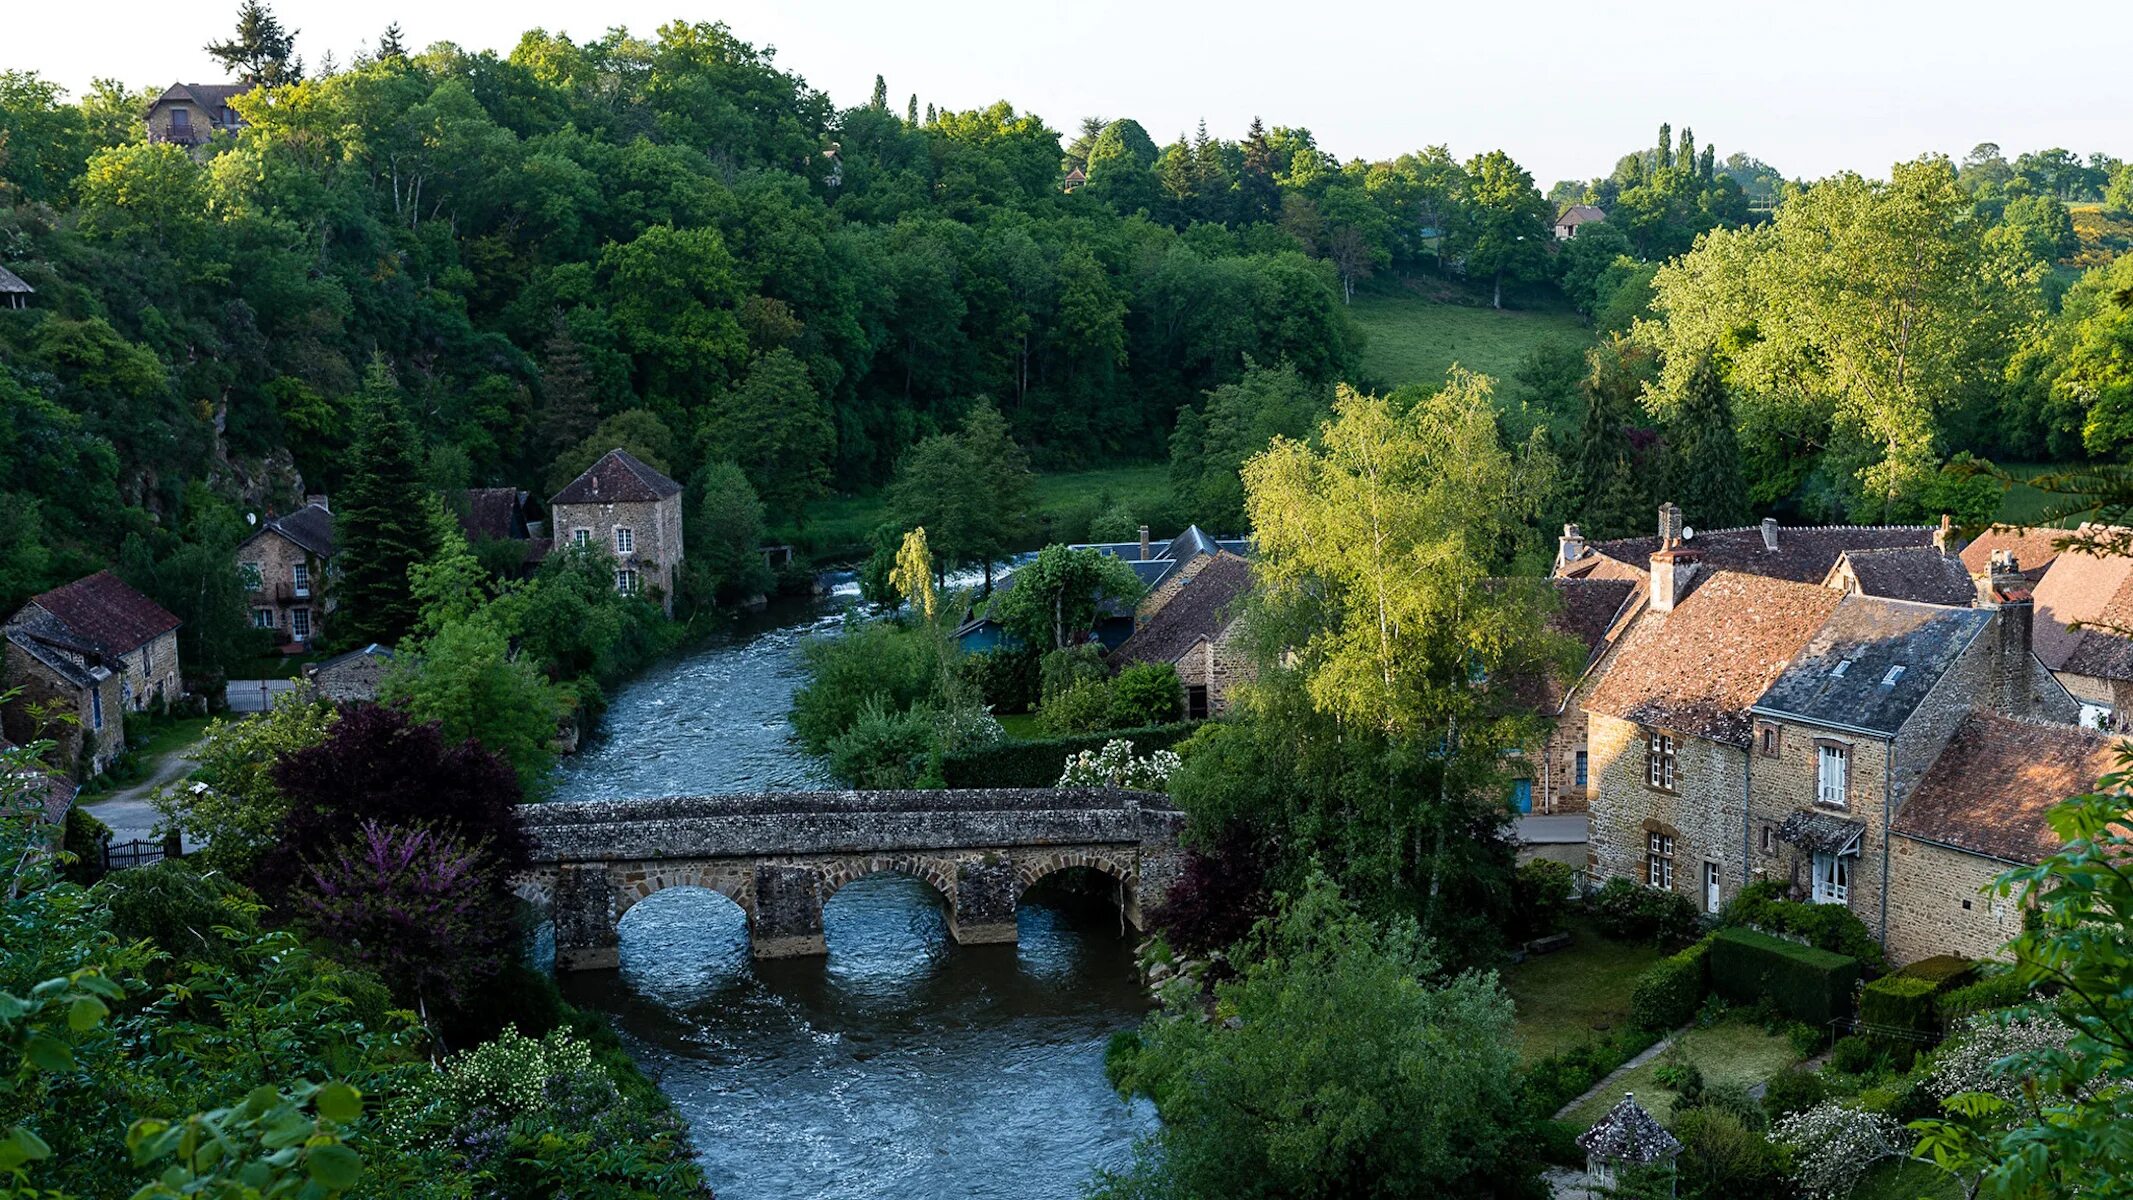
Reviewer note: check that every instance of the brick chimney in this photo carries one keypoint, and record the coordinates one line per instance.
(1146, 549)
(1570, 547)
(1944, 539)
(319, 500)
(2003, 588)
(1770, 534)
(1674, 574)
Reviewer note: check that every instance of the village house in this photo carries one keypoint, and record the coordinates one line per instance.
(95, 650)
(287, 566)
(1566, 226)
(2085, 628)
(1161, 569)
(1932, 574)
(350, 678)
(1195, 628)
(633, 512)
(188, 114)
(1558, 777)
(14, 293)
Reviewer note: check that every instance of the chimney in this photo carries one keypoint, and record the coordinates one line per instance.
(1944, 537)
(1145, 547)
(1669, 525)
(1770, 534)
(1673, 576)
(1570, 548)
(2002, 587)
(319, 500)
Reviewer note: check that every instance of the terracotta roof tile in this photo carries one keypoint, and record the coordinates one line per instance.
(1590, 611)
(1992, 785)
(493, 514)
(101, 611)
(2033, 549)
(619, 477)
(1804, 554)
(1698, 669)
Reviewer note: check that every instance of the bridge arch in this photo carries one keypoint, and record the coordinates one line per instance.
(1034, 869)
(654, 878)
(940, 876)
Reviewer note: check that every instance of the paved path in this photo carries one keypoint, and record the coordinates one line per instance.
(1657, 1048)
(127, 810)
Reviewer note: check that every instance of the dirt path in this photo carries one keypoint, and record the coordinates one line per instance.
(127, 810)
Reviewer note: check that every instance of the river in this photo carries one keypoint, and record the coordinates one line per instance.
(901, 1065)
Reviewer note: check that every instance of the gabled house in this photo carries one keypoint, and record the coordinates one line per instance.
(1195, 629)
(1594, 612)
(1927, 574)
(102, 613)
(1801, 553)
(502, 514)
(1566, 225)
(2085, 628)
(632, 511)
(1161, 568)
(287, 565)
(93, 650)
(188, 114)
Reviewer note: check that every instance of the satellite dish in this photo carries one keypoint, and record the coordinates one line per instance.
(1688, 533)
(251, 518)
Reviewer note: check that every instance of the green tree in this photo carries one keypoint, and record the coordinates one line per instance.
(468, 681)
(636, 430)
(1211, 444)
(381, 526)
(260, 51)
(726, 532)
(1057, 597)
(1503, 230)
(1352, 1067)
(970, 490)
(235, 814)
(777, 429)
(1707, 480)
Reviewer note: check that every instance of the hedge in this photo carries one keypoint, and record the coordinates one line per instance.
(2002, 989)
(1831, 927)
(1038, 763)
(1670, 992)
(1550, 1083)
(1908, 1001)
(1802, 982)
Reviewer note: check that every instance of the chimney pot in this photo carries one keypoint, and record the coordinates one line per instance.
(320, 500)
(1146, 546)
(1770, 533)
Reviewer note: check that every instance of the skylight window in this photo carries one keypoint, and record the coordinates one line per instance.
(1843, 665)
(1889, 680)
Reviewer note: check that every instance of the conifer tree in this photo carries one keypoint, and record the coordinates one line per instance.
(381, 527)
(1665, 152)
(390, 45)
(879, 101)
(261, 52)
(569, 409)
(1707, 479)
(911, 111)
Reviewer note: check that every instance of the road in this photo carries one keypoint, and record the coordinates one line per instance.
(127, 810)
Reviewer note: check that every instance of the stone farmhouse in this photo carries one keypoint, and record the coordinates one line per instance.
(188, 114)
(1161, 569)
(95, 649)
(632, 511)
(288, 568)
(1558, 778)
(1193, 623)
(1850, 738)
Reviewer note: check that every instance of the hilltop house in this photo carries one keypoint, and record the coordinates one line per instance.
(95, 649)
(188, 114)
(1193, 626)
(1566, 226)
(14, 293)
(633, 511)
(287, 565)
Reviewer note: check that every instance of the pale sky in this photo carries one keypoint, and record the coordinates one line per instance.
(1810, 86)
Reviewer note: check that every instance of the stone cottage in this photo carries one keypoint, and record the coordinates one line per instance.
(188, 114)
(287, 567)
(101, 612)
(1558, 776)
(94, 650)
(1162, 568)
(631, 511)
(349, 678)
(1196, 629)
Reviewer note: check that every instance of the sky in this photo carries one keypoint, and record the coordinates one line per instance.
(1809, 86)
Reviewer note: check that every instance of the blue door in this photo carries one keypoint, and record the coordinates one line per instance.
(1522, 795)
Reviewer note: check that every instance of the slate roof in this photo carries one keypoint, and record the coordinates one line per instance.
(1153, 570)
(1589, 612)
(1820, 832)
(1919, 573)
(65, 662)
(1203, 607)
(494, 514)
(1804, 554)
(101, 611)
(310, 527)
(11, 282)
(1578, 214)
(1700, 668)
(2086, 589)
(1628, 1134)
(2033, 549)
(1842, 676)
(1993, 783)
(618, 478)
(210, 96)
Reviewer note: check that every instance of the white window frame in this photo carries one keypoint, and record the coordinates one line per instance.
(264, 618)
(625, 540)
(627, 582)
(299, 624)
(581, 537)
(1833, 878)
(1659, 861)
(1833, 767)
(300, 578)
(1659, 764)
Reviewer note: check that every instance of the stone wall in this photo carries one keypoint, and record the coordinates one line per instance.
(1219, 665)
(1789, 782)
(277, 558)
(655, 535)
(351, 680)
(1703, 812)
(81, 749)
(153, 673)
(1938, 904)
(1556, 788)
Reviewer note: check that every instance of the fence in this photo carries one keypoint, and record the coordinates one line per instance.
(141, 852)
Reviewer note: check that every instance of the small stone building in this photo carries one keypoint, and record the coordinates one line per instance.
(188, 114)
(94, 650)
(1566, 225)
(287, 567)
(14, 293)
(2084, 608)
(1558, 778)
(349, 678)
(1196, 630)
(632, 512)
(1627, 1138)
(100, 612)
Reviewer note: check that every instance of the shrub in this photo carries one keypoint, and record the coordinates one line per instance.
(1831, 927)
(1630, 912)
(1219, 895)
(877, 661)
(1059, 670)
(1671, 990)
(1556, 1143)
(2000, 989)
(1723, 1156)
(85, 838)
(1083, 708)
(1727, 1095)
(1833, 1145)
(1115, 766)
(1800, 981)
(1855, 1055)
(1540, 897)
(1005, 679)
(1897, 1005)
(1146, 694)
(410, 903)
(883, 749)
(179, 909)
(1791, 1091)
(1038, 763)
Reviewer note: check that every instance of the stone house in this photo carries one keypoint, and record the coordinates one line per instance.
(503, 514)
(1566, 225)
(1163, 570)
(1927, 574)
(288, 569)
(188, 114)
(100, 612)
(349, 678)
(67, 692)
(1594, 612)
(632, 512)
(2085, 627)
(1196, 629)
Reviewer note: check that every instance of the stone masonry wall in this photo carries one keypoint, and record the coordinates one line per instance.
(1788, 782)
(277, 558)
(1703, 813)
(1937, 904)
(153, 672)
(78, 744)
(655, 529)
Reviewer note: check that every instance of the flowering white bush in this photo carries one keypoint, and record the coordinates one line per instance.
(511, 1074)
(967, 727)
(1115, 766)
(1833, 1144)
(1977, 1061)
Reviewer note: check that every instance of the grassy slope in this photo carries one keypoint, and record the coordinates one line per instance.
(1729, 1052)
(1567, 998)
(839, 526)
(1416, 340)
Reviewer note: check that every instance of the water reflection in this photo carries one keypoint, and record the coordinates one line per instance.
(901, 1064)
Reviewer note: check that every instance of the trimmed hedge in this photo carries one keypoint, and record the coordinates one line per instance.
(1035, 764)
(2002, 989)
(1802, 982)
(1670, 992)
(1831, 927)
(1908, 1001)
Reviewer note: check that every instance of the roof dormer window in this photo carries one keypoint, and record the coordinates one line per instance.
(1889, 680)
(1843, 665)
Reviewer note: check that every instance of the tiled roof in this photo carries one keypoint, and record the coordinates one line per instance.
(1698, 669)
(2033, 549)
(1203, 608)
(310, 527)
(2089, 590)
(67, 665)
(11, 282)
(618, 478)
(1993, 783)
(1628, 1134)
(101, 611)
(1804, 554)
(206, 95)
(1820, 832)
(373, 650)
(1578, 214)
(1871, 663)
(1919, 573)
(493, 514)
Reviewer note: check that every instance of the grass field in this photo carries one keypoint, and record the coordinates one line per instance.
(1416, 340)
(2024, 505)
(1728, 1052)
(1567, 998)
(839, 528)
(1907, 1179)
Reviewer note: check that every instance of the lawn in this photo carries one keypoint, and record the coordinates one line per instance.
(1416, 340)
(1567, 998)
(1064, 501)
(174, 733)
(1022, 727)
(2024, 504)
(1907, 1179)
(1728, 1052)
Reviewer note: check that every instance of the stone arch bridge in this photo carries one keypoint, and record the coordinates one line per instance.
(781, 855)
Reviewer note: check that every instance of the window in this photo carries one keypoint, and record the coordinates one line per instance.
(181, 120)
(148, 658)
(581, 537)
(625, 540)
(626, 582)
(1659, 760)
(262, 618)
(1831, 768)
(254, 575)
(1659, 860)
(96, 707)
(1833, 879)
(300, 575)
(1582, 770)
(300, 624)
(1842, 666)
(1770, 841)
(1196, 702)
(1767, 740)
(1889, 680)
